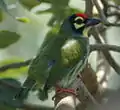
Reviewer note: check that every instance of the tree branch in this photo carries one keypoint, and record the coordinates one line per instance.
(102, 15)
(89, 7)
(15, 65)
(105, 47)
(115, 13)
(85, 91)
(107, 55)
(113, 24)
(114, 6)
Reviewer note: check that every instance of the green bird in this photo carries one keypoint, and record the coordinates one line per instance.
(59, 56)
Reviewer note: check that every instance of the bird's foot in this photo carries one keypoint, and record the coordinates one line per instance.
(64, 90)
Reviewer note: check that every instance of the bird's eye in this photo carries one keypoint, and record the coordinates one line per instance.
(79, 20)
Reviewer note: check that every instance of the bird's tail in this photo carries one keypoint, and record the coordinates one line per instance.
(43, 95)
(23, 93)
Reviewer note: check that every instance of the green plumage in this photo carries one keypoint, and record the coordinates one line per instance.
(61, 56)
(65, 51)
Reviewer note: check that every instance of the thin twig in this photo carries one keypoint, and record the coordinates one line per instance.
(104, 47)
(102, 64)
(115, 13)
(114, 6)
(105, 3)
(15, 65)
(88, 11)
(102, 15)
(108, 5)
(105, 6)
(112, 24)
(89, 7)
(107, 55)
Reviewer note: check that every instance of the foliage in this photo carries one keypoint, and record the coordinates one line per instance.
(12, 73)
(5, 35)
(9, 85)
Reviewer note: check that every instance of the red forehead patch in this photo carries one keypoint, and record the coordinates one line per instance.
(82, 15)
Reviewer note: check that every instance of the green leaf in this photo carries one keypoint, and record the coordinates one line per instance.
(7, 38)
(13, 73)
(23, 19)
(29, 4)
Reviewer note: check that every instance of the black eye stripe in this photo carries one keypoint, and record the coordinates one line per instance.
(79, 21)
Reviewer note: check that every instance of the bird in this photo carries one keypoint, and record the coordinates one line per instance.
(58, 57)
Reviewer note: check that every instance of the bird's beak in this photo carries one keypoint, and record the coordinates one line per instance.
(92, 22)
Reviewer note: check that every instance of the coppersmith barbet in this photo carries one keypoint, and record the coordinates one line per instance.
(58, 56)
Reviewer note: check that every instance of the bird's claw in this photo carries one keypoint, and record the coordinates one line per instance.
(64, 90)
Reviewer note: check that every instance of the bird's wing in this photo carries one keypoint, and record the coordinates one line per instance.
(42, 63)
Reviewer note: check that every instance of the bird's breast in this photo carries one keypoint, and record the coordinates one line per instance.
(73, 51)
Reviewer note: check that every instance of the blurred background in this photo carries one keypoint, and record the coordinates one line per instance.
(43, 15)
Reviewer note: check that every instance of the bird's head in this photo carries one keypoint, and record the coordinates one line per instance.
(79, 24)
